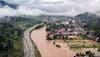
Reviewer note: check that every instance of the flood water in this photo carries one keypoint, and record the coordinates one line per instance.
(46, 48)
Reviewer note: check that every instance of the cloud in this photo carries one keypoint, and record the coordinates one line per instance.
(7, 11)
(67, 7)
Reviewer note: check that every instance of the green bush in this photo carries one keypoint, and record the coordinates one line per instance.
(99, 49)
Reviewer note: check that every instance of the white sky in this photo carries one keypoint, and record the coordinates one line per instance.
(66, 7)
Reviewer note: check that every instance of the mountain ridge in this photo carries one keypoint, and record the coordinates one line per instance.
(4, 3)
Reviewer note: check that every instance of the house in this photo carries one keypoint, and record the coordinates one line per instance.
(98, 39)
(72, 35)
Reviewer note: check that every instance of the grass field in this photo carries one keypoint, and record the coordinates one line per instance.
(82, 43)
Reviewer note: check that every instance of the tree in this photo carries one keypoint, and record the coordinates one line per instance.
(10, 44)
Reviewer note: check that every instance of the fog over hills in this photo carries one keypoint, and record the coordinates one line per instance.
(11, 9)
(48, 7)
(4, 3)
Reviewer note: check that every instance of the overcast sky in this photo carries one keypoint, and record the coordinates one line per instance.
(63, 7)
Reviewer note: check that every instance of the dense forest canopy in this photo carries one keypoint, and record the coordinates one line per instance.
(11, 32)
(93, 21)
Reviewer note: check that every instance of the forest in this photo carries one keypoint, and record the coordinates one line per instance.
(11, 34)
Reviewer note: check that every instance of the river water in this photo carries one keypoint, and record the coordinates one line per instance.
(46, 48)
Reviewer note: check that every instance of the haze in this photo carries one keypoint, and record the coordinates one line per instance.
(56, 7)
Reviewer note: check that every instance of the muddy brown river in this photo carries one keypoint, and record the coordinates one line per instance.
(46, 48)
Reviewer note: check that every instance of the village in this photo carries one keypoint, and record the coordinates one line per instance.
(68, 29)
(74, 35)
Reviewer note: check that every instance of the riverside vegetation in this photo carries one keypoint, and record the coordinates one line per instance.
(11, 34)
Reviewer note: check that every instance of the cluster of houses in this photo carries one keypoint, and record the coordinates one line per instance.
(63, 30)
(88, 54)
(90, 33)
(68, 29)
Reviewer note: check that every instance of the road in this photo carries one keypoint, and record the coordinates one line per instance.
(28, 46)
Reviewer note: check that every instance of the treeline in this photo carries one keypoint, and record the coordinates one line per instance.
(24, 22)
(11, 32)
(93, 22)
(9, 35)
(96, 28)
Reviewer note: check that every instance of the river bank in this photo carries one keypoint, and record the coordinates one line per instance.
(46, 48)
